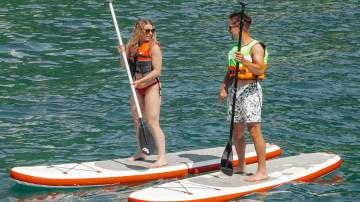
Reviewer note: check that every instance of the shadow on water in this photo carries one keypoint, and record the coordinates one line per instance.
(329, 181)
(29, 193)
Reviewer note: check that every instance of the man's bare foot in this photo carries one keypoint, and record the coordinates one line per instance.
(256, 177)
(158, 163)
(137, 157)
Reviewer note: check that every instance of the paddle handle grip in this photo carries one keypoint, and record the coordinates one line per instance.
(125, 59)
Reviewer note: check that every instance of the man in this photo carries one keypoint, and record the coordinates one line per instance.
(252, 65)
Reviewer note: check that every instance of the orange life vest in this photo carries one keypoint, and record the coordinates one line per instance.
(141, 62)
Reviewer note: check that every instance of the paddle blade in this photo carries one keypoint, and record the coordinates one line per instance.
(146, 139)
(227, 160)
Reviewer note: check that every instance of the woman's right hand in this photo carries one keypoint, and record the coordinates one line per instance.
(121, 49)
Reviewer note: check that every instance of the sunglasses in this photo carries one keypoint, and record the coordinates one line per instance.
(147, 31)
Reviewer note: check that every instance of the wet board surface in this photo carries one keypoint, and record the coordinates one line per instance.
(122, 171)
(220, 187)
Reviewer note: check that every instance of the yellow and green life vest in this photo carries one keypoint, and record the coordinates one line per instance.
(244, 72)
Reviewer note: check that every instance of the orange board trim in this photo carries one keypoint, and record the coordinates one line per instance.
(56, 182)
(306, 178)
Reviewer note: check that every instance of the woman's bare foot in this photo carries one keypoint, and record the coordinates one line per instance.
(240, 171)
(138, 156)
(256, 177)
(158, 163)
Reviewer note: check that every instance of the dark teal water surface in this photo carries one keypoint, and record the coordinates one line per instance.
(63, 97)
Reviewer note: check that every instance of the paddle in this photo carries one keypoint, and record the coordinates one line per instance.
(145, 137)
(227, 157)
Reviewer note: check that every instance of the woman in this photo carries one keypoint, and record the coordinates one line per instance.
(145, 59)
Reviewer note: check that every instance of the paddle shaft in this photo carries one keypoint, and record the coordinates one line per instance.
(125, 60)
(147, 147)
(236, 73)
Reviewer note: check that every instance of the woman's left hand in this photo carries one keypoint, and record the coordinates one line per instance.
(138, 84)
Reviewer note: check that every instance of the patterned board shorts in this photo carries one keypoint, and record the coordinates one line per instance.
(248, 103)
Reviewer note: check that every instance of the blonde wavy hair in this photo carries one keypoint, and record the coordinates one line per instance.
(138, 31)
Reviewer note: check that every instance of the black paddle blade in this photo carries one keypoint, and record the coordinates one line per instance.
(227, 160)
(146, 139)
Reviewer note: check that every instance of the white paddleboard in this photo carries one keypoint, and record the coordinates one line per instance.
(121, 171)
(220, 187)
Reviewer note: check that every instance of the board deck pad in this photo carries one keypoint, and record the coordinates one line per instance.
(220, 187)
(122, 171)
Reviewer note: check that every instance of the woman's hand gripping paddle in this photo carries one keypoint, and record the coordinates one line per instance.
(146, 140)
(227, 157)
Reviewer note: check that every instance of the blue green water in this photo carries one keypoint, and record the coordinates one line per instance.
(63, 97)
